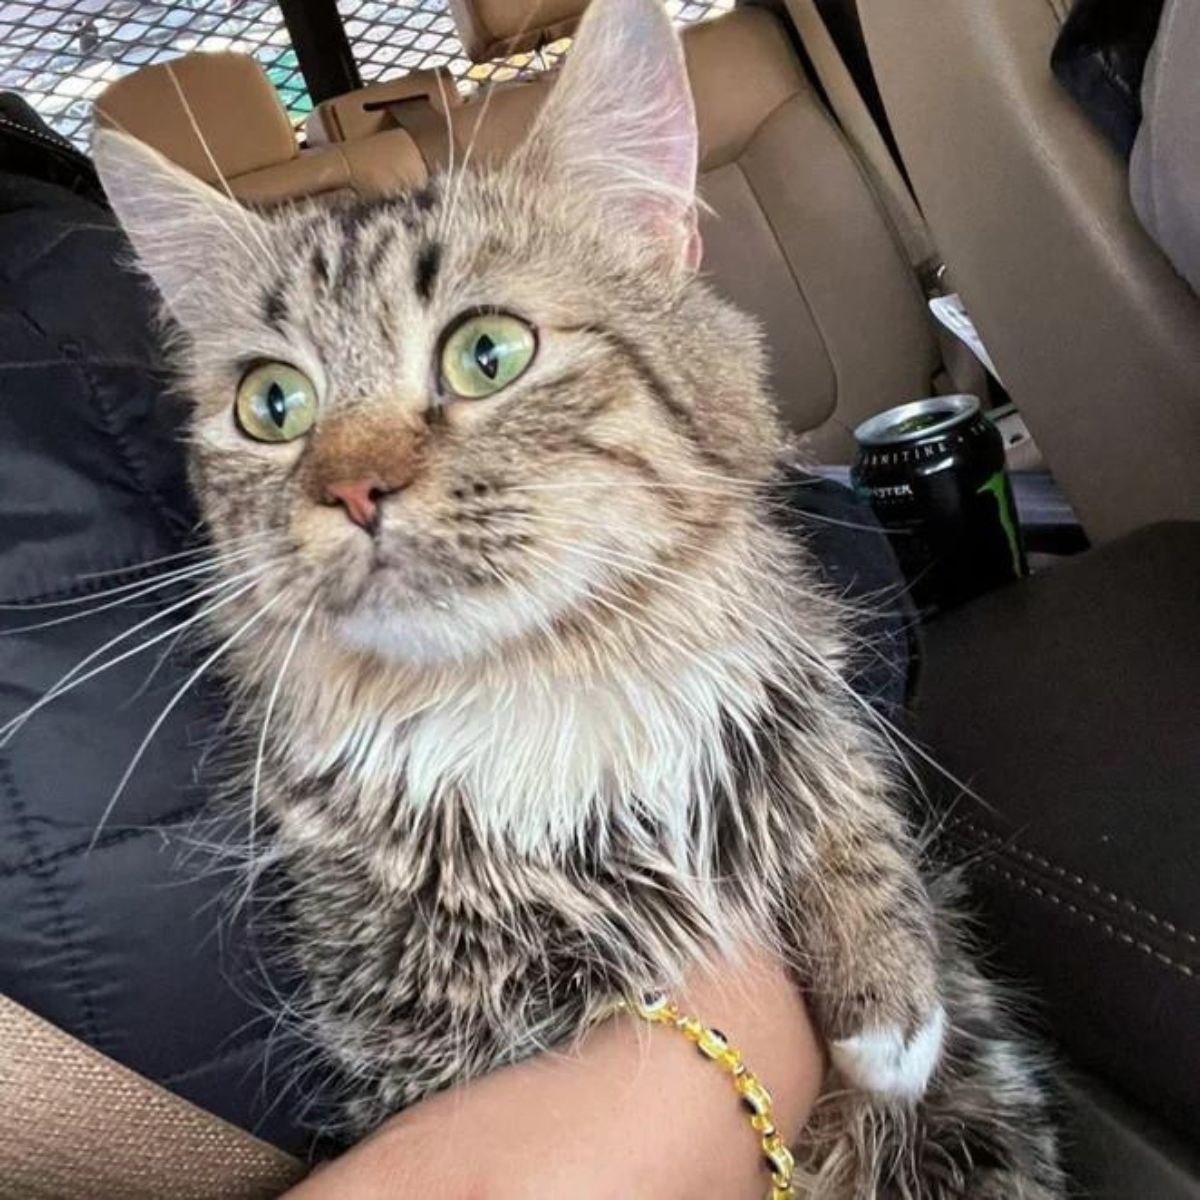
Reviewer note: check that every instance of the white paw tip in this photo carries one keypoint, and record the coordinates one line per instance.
(880, 1061)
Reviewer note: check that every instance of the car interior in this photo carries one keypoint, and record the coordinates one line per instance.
(858, 157)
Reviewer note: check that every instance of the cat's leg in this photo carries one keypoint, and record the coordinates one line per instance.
(984, 1128)
(870, 952)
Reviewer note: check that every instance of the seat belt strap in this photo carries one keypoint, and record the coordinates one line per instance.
(963, 372)
(860, 129)
(74, 1123)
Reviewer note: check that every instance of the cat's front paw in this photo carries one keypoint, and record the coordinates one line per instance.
(886, 1063)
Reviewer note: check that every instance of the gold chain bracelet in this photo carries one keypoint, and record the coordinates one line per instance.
(713, 1045)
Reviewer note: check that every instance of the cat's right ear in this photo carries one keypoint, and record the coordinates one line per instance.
(179, 226)
(619, 128)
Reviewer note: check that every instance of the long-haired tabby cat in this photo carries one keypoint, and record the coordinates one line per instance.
(546, 711)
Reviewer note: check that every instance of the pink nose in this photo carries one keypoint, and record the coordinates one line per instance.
(360, 499)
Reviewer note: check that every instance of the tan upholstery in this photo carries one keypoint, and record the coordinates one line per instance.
(400, 103)
(74, 1123)
(419, 106)
(491, 29)
(742, 68)
(230, 98)
(844, 318)
(379, 166)
(795, 235)
(1097, 338)
(218, 116)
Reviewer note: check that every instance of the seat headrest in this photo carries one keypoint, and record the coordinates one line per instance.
(232, 110)
(491, 29)
(384, 164)
(226, 96)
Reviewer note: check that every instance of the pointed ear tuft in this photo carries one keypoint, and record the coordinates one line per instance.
(621, 127)
(179, 226)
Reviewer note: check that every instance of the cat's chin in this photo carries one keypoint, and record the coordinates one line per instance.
(455, 630)
(395, 614)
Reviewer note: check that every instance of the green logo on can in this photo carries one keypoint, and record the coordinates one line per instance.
(997, 485)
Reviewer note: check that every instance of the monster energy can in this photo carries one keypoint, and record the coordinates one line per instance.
(933, 471)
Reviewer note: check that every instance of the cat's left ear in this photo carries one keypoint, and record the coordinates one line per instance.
(182, 229)
(620, 126)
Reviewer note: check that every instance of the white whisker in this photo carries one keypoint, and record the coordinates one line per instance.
(248, 222)
(72, 679)
(170, 707)
(129, 592)
(444, 221)
(272, 700)
(195, 552)
(152, 674)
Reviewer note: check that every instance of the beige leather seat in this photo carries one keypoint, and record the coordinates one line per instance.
(795, 235)
(1095, 335)
(247, 137)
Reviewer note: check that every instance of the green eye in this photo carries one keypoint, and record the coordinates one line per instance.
(276, 403)
(484, 353)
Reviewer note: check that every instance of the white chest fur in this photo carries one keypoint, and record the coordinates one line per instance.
(535, 753)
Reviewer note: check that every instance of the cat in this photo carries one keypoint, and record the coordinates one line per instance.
(546, 710)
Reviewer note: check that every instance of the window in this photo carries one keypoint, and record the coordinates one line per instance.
(60, 54)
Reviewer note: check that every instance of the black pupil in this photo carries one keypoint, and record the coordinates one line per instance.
(277, 404)
(487, 355)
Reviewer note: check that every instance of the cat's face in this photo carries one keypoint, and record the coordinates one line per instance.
(479, 413)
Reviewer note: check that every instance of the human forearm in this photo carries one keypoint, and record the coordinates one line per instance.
(633, 1111)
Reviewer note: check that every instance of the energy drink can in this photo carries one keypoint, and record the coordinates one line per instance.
(933, 471)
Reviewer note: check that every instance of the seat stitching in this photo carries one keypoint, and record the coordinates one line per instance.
(874, 187)
(40, 862)
(733, 159)
(74, 973)
(838, 391)
(1063, 873)
(132, 455)
(220, 1059)
(135, 572)
(1111, 931)
(1057, 10)
(41, 364)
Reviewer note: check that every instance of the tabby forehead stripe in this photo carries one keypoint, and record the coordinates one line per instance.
(320, 267)
(424, 198)
(274, 305)
(429, 261)
(385, 319)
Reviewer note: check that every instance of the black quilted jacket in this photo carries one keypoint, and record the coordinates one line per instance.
(109, 936)
(1100, 58)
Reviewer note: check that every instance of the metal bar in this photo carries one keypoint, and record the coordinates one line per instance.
(321, 46)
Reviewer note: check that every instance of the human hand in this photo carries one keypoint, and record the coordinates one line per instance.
(633, 1112)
